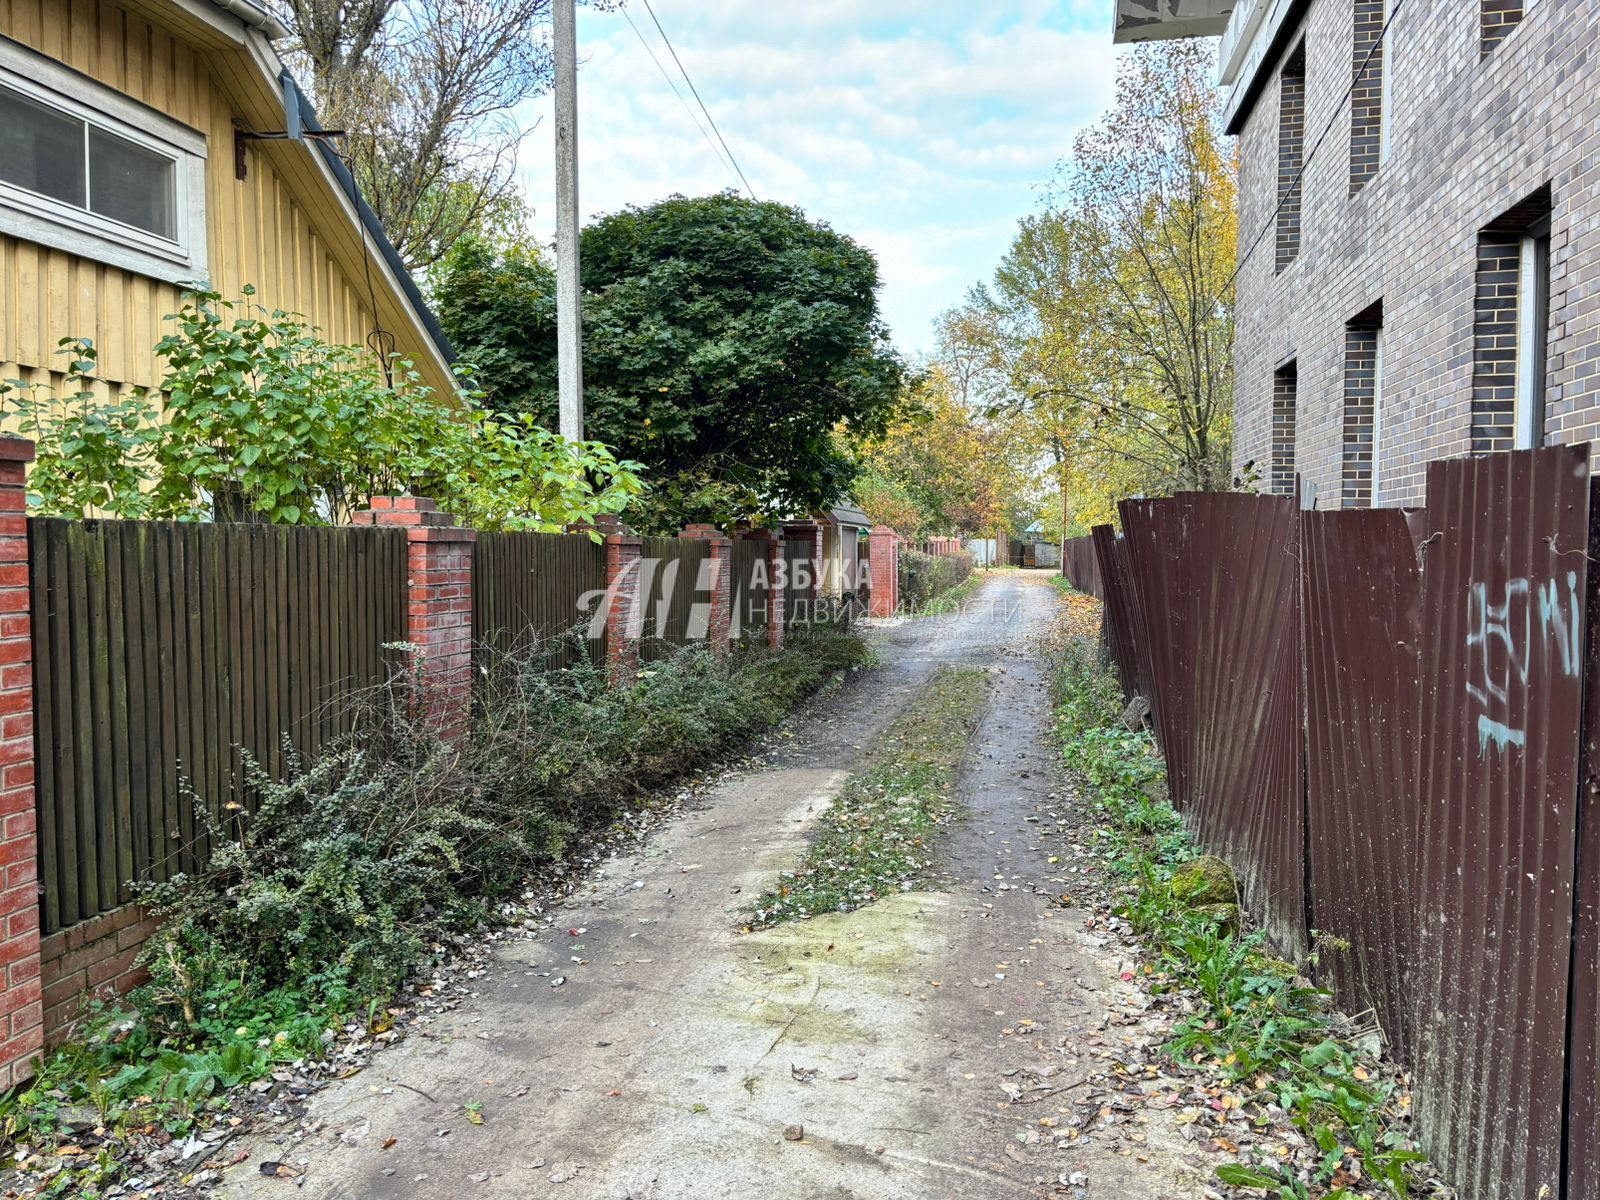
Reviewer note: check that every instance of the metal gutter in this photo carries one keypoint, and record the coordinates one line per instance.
(255, 17)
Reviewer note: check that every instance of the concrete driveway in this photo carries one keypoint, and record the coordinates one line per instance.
(931, 1045)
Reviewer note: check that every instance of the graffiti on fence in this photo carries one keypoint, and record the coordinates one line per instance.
(1500, 638)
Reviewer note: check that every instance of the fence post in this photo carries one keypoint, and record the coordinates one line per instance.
(719, 564)
(438, 603)
(21, 1000)
(885, 560)
(624, 604)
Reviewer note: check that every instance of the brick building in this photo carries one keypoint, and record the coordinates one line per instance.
(1420, 204)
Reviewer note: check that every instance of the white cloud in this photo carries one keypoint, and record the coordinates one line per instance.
(921, 130)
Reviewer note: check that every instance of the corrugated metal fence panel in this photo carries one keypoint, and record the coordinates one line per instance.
(160, 649)
(1117, 612)
(1217, 575)
(1583, 1068)
(676, 595)
(1082, 567)
(528, 587)
(1361, 629)
(1504, 587)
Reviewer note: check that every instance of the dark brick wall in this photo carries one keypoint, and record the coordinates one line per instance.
(1284, 402)
(1360, 411)
(1494, 343)
(1497, 19)
(1470, 139)
(1291, 150)
(1366, 96)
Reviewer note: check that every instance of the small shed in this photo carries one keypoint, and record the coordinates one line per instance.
(844, 566)
(1037, 550)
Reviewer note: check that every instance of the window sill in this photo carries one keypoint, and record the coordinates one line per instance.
(27, 222)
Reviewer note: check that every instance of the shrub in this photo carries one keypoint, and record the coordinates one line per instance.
(924, 578)
(352, 867)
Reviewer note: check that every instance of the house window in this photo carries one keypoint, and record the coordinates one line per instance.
(1291, 152)
(90, 171)
(1496, 20)
(1511, 328)
(1369, 134)
(1363, 409)
(1285, 405)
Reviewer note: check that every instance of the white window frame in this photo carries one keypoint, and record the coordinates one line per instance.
(50, 222)
(1533, 333)
(1377, 409)
(1383, 89)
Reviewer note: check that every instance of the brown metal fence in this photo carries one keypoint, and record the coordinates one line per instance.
(161, 648)
(529, 587)
(1081, 565)
(1385, 721)
(797, 602)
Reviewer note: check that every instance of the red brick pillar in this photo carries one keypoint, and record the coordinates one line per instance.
(623, 601)
(439, 602)
(885, 560)
(809, 535)
(718, 580)
(21, 1000)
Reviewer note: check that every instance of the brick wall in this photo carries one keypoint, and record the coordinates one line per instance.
(1469, 138)
(1291, 155)
(1360, 411)
(1496, 19)
(21, 1003)
(94, 958)
(1366, 95)
(1284, 403)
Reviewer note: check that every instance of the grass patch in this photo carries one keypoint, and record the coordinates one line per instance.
(350, 875)
(874, 839)
(1256, 1024)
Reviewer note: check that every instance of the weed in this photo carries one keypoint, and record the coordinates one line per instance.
(1254, 1019)
(874, 838)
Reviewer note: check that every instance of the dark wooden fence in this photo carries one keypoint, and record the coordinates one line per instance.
(532, 587)
(1436, 672)
(797, 603)
(749, 587)
(160, 651)
(676, 594)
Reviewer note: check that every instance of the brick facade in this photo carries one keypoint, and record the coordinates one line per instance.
(1284, 406)
(94, 958)
(717, 580)
(1470, 138)
(1360, 410)
(884, 564)
(1291, 155)
(21, 986)
(1496, 20)
(1366, 94)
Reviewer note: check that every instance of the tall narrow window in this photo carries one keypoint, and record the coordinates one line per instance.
(1510, 329)
(1363, 408)
(1369, 135)
(1285, 402)
(1496, 20)
(1291, 153)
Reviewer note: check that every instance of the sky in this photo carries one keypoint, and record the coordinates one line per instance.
(923, 130)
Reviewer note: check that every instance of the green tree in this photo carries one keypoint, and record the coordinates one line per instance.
(725, 342)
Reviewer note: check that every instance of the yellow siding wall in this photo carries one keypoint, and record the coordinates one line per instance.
(256, 232)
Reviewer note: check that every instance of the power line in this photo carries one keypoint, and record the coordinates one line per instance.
(682, 99)
(697, 99)
(1355, 78)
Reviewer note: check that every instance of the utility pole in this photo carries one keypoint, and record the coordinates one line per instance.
(569, 313)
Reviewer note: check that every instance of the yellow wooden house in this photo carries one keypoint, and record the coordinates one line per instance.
(131, 163)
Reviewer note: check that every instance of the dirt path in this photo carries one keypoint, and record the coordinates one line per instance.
(919, 1043)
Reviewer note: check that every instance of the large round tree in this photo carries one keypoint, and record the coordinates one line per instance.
(724, 342)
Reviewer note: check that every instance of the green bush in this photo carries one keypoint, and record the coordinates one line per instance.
(327, 896)
(924, 578)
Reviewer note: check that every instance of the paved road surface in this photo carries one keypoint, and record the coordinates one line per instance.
(665, 1068)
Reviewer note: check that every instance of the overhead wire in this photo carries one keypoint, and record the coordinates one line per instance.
(696, 93)
(676, 91)
(1356, 77)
